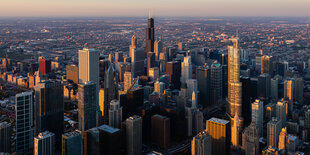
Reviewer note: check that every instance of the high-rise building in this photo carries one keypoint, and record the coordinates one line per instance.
(201, 144)
(158, 47)
(289, 89)
(219, 131)
(160, 130)
(150, 61)
(186, 70)
(273, 131)
(159, 87)
(258, 115)
(251, 140)
(137, 61)
(274, 82)
(44, 143)
(110, 140)
(234, 90)
(180, 46)
(299, 90)
(134, 135)
(44, 66)
(203, 75)
(150, 35)
(216, 83)
(266, 65)
(173, 69)
(192, 86)
(5, 136)
(154, 73)
(115, 114)
(269, 150)
(127, 80)
(89, 68)
(72, 143)
(49, 108)
(307, 119)
(87, 106)
(282, 140)
(264, 86)
(24, 122)
(281, 109)
(247, 99)
(133, 44)
(91, 141)
(72, 72)
(270, 111)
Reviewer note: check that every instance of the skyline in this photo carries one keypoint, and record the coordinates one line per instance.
(161, 8)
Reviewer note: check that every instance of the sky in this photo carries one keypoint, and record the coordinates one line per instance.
(160, 8)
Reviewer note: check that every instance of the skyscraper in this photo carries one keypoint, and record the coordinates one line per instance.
(44, 143)
(134, 135)
(160, 130)
(281, 108)
(234, 91)
(137, 61)
(264, 86)
(274, 82)
(24, 122)
(72, 143)
(289, 89)
(127, 80)
(44, 66)
(150, 35)
(87, 106)
(201, 144)
(282, 139)
(89, 68)
(258, 115)
(251, 143)
(158, 47)
(133, 45)
(273, 131)
(173, 69)
(216, 82)
(299, 90)
(72, 73)
(219, 131)
(110, 140)
(159, 87)
(5, 136)
(150, 61)
(186, 70)
(49, 108)
(203, 79)
(154, 73)
(115, 114)
(266, 65)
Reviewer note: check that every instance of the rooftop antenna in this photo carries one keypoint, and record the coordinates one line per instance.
(150, 14)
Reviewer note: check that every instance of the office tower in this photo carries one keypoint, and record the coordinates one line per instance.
(87, 107)
(150, 35)
(134, 135)
(158, 47)
(89, 68)
(274, 82)
(173, 69)
(24, 122)
(103, 66)
(49, 108)
(191, 87)
(44, 143)
(251, 140)
(299, 90)
(289, 89)
(273, 131)
(160, 130)
(133, 44)
(244, 56)
(216, 83)
(137, 61)
(154, 73)
(110, 90)
(150, 61)
(44, 66)
(203, 81)
(72, 143)
(234, 90)
(201, 144)
(72, 73)
(258, 62)
(246, 99)
(266, 65)
(258, 115)
(282, 139)
(186, 70)
(270, 111)
(91, 141)
(131, 101)
(115, 114)
(219, 131)
(119, 57)
(307, 119)
(127, 80)
(159, 87)
(264, 86)
(110, 140)
(292, 142)
(281, 109)
(5, 136)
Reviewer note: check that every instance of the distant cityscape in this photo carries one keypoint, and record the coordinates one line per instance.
(155, 86)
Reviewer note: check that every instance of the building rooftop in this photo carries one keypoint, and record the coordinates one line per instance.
(73, 133)
(45, 134)
(217, 120)
(108, 129)
(134, 117)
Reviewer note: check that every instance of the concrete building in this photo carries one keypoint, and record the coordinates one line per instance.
(201, 144)
(134, 135)
(115, 114)
(44, 143)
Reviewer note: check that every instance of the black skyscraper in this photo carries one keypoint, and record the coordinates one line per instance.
(149, 40)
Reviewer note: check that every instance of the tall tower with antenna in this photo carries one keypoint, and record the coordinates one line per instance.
(150, 35)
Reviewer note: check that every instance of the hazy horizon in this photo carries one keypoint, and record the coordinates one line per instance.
(159, 8)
